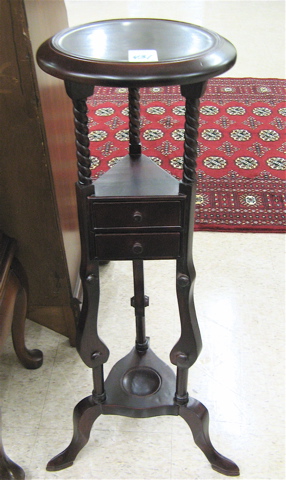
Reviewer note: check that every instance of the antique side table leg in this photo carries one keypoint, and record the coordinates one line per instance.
(31, 359)
(8, 469)
(13, 309)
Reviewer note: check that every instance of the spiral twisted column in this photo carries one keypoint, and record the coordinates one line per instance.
(191, 144)
(134, 121)
(82, 141)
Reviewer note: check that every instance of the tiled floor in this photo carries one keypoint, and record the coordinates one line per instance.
(240, 304)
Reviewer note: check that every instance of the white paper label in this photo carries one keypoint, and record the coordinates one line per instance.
(142, 56)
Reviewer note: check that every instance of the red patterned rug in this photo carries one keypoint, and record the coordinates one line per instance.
(241, 147)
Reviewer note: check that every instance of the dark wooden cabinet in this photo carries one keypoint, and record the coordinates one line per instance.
(38, 167)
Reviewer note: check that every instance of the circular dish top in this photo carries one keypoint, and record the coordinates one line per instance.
(136, 52)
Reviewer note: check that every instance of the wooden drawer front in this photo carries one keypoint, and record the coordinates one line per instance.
(136, 214)
(132, 246)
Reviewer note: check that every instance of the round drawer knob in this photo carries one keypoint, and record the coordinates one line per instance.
(137, 248)
(137, 217)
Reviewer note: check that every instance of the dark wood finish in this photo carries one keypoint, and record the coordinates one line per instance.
(194, 413)
(137, 212)
(196, 55)
(37, 197)
(13, 310)
(9, 470)
(130, 246)
(137, 178)
(14, 300)
(134, 121)
(139, 302)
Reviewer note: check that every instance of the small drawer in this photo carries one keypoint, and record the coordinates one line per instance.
(136, 214)
(132, 246)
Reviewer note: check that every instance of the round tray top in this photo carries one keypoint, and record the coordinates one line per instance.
(136, 52)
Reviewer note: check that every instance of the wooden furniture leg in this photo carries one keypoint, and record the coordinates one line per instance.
(13, 308)
(197, 417)
(187, 349)
(8, 469)
(31, 359)
(84, 416)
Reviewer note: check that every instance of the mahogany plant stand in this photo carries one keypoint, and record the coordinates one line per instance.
(136, 211)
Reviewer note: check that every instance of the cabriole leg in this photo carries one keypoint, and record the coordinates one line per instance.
(85, 414)
(197, 417)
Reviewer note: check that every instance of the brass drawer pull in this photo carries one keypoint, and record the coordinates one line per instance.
(137, 248)
(137, 216)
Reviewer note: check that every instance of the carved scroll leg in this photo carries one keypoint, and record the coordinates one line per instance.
(8, 469)
(187, 349)
(91, 349)
(197, 417)
(85, 414)
(31, 359)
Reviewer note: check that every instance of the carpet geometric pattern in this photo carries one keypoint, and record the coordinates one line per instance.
(241, 160)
